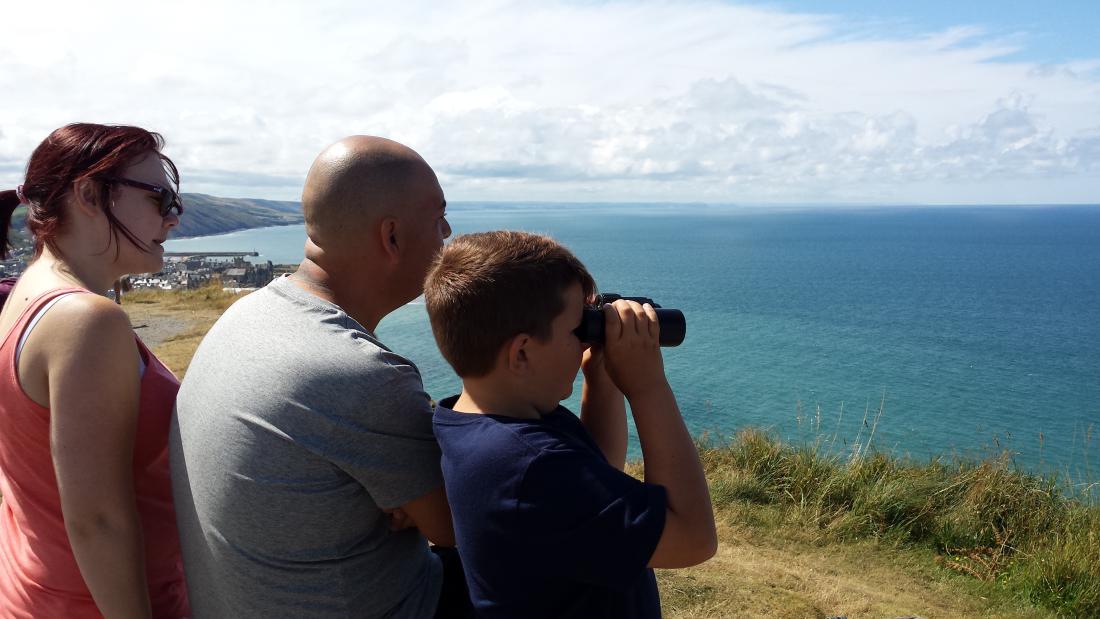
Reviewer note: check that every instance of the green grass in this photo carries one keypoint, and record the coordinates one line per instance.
(1015, 534)
(210, 297)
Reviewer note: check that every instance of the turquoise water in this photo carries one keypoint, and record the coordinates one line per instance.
(976, 329)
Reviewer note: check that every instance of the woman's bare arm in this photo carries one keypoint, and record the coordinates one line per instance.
(94, 385)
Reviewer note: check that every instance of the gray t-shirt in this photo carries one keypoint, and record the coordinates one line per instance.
(294, 428)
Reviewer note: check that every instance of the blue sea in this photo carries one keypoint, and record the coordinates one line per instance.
(963, 331)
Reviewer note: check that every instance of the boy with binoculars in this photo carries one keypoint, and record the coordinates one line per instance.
(546, 521)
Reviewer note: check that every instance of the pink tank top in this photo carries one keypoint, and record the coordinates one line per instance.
(39, 576)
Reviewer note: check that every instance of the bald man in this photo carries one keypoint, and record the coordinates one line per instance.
(298, 433)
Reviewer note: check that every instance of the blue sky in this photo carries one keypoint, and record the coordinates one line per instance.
(783, 102)
(1048, 32)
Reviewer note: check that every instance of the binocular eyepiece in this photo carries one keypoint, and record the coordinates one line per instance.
(671, 321)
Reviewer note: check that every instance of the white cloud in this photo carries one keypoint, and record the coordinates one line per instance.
(683, 101)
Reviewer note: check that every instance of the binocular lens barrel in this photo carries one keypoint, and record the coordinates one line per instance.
(671, 321)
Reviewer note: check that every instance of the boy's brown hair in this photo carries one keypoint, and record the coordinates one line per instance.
(487, 287)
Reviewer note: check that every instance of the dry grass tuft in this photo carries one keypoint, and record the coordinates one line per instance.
(173, 322)
(208, 298)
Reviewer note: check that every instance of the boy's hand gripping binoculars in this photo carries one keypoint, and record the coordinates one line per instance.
(671, 321)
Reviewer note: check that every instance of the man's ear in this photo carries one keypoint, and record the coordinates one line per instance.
(86, 196)
(388, 236)
(518, 350)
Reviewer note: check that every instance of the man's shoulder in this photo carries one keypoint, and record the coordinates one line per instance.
(253, 309)
(286, 320)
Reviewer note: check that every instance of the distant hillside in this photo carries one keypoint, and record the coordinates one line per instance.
(204, 215)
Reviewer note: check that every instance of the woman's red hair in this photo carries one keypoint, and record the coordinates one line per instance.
(77, 152)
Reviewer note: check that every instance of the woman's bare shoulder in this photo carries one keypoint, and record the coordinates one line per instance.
(77, 314)
(83, 323)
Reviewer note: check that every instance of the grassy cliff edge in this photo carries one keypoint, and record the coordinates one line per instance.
(807, 533)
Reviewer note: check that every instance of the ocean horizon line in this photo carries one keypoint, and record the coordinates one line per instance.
(718, 207)
(707, 203)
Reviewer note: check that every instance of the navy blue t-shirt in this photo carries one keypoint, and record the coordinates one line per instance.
(545, 526)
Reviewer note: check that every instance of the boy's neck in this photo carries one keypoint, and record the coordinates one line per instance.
(480, 398)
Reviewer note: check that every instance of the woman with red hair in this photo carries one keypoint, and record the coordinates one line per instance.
(87, 527)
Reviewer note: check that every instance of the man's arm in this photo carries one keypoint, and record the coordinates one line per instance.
(401, 444)
(603, 409)
(431, 513)
(671, 460)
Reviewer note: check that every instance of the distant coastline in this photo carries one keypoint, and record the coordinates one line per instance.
(206, 215)
(181, 237)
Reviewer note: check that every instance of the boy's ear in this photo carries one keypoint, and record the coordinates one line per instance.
(518, 361)
(85, 196)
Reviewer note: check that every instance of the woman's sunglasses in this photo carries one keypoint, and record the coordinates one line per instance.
(168, 199)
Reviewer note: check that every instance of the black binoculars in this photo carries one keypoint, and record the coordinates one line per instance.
(671, 321)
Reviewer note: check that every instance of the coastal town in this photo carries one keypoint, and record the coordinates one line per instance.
(184, 270)
(14, 264)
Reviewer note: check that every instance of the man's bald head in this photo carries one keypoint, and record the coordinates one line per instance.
(357, 181)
